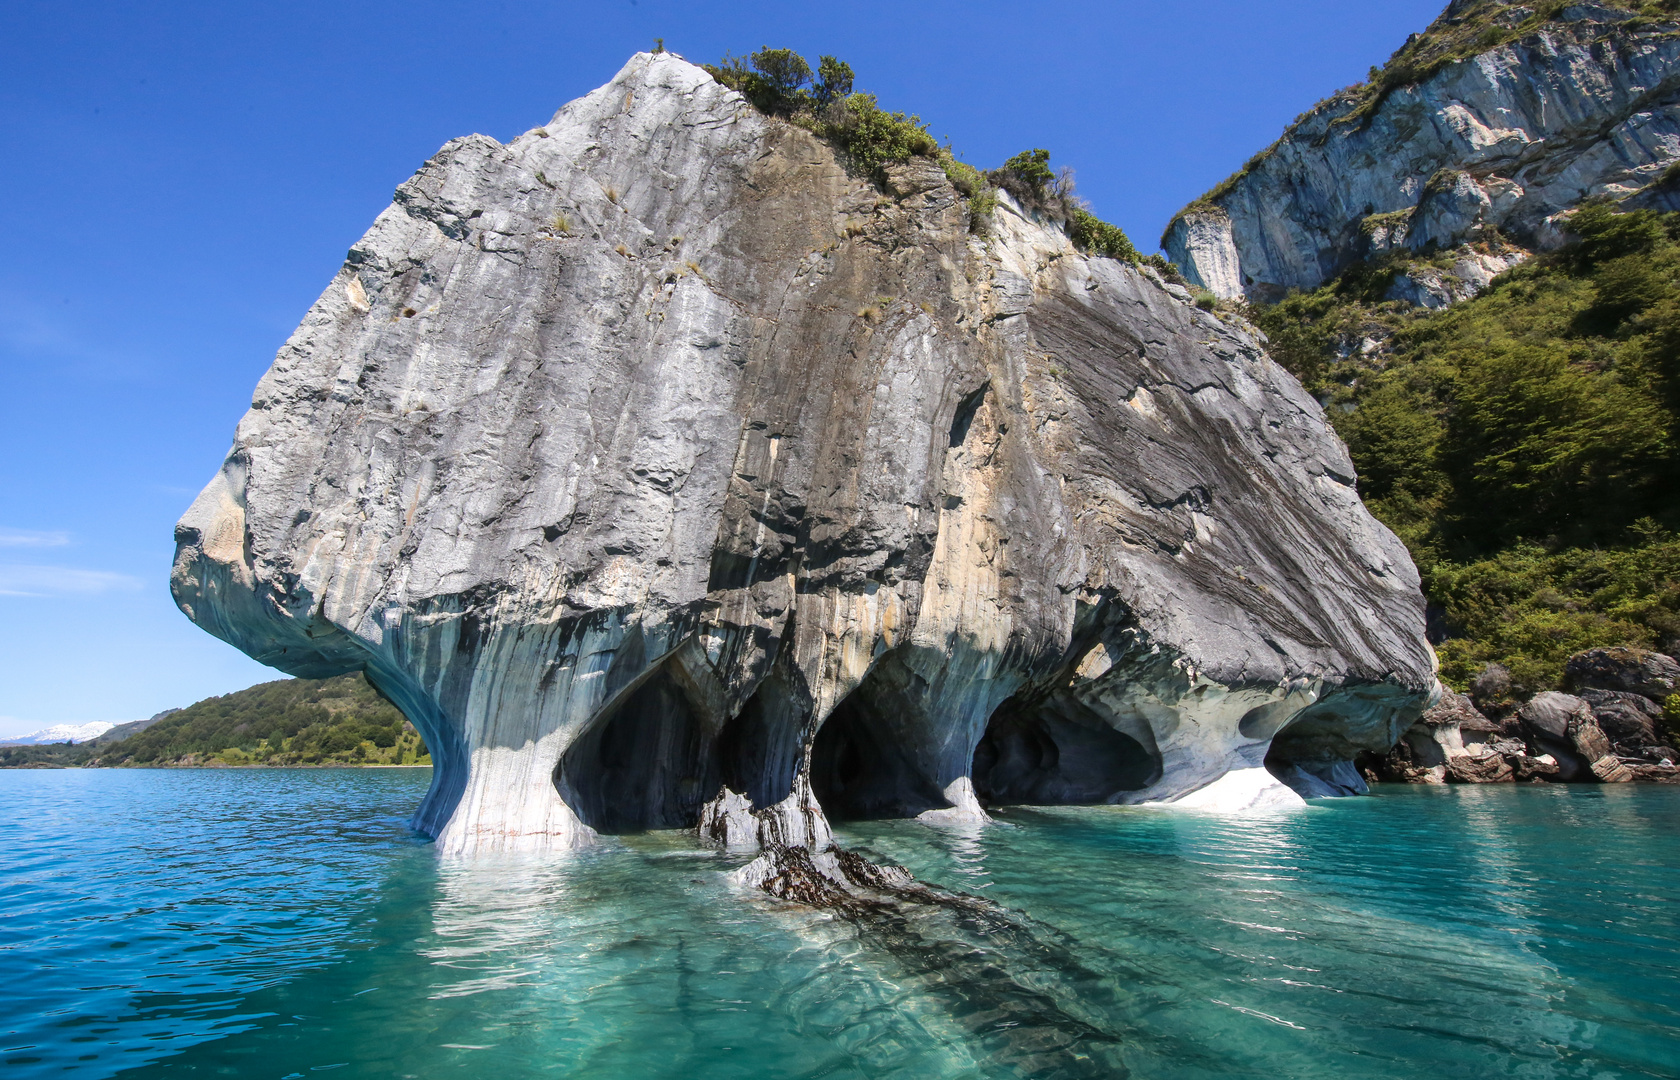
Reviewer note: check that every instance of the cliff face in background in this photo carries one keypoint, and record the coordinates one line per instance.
(1588, 104)
(662, 470)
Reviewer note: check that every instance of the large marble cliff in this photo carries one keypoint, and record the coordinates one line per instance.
(667, 473)
(1497, 146)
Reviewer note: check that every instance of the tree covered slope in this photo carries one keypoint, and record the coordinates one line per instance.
(339, 721)
(1522, 443)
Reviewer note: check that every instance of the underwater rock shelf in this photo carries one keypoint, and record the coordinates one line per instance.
(666, 471)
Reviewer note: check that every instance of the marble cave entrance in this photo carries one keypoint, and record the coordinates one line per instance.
(651, 761)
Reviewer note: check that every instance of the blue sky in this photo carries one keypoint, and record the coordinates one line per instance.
(180, 180)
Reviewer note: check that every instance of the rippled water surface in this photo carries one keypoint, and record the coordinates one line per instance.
(280, 923)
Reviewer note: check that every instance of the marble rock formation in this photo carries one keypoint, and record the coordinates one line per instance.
(1563, 726)
(1511, 139)
(1597, 736)
(665, 471)
(1452, 742)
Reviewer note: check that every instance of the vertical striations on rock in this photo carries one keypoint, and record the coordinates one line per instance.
(663, 471)
(1495, 146)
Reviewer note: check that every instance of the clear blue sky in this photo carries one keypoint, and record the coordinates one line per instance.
(180, 180)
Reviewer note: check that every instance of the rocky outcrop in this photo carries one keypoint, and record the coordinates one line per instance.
(1625, 689)
(667, 473)
(1452, 742)
(1598, 735)
(1627, 719)
(1563, 726)
(1585, 105)
(1470, 271)
(1651, 675)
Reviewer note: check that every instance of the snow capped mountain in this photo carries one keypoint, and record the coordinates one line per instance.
(61, 733)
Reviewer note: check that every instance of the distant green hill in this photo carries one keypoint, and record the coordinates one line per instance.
(339, 721)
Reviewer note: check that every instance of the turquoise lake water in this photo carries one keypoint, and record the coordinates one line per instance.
(284, 923)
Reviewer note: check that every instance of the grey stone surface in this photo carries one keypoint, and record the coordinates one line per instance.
(1512, 138)
(1635, 671)
(1563, 726)
(663, 471)
(1630, 720)
(1552, 714)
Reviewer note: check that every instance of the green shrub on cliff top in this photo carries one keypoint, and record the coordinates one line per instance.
(1099, 237)
(779, 82)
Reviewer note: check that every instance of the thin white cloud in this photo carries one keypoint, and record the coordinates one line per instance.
(32, 538)
(20, 580)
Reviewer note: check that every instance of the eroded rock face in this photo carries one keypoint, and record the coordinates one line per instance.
(1452, 742)
(1635, 671)
(1512, 138)
(664, 472)
(1564, 727)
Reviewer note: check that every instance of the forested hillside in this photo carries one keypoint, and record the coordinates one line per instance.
(339, 721)
(1522, 443)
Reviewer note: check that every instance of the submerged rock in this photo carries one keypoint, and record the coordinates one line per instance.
(1500, 144)
(667, 473)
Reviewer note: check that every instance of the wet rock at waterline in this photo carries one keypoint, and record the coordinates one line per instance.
(665, 471)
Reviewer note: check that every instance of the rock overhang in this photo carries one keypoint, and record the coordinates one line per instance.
(656, 456)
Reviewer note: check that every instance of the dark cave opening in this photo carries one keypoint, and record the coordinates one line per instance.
(1057, 751)
(645, 764)
(758, 749)
(862, 763)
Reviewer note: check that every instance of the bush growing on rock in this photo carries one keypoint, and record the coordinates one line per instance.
(1027, 176)
(779, 82)
(1098, 237)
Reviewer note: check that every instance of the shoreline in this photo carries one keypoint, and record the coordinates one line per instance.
(112, 768)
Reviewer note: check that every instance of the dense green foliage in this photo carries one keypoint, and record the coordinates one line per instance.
(290, 722)
(1524, 444)
(50, 756)
(340, 721)
(1528, 608)
(779, 82)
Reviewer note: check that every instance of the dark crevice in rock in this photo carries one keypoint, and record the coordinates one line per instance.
(863, 762)
(965, 414)
(760, 748)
